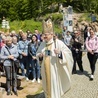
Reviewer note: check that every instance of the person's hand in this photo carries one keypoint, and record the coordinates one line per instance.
(41, 55)
(24, 54)
(11, 57)
(90, 51)
(56, 51)
(76, 40)
(34, 57)
(77, 50)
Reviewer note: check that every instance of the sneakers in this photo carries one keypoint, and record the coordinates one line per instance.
(8, 92)
(91, 77)
(38, 80)
(15, 92)
(74, 72)
(27, 79)
(33, 80)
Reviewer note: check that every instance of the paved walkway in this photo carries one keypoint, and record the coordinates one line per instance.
(82, 87)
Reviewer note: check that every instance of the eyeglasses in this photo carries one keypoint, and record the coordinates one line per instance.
(75, 33)
(46, 34)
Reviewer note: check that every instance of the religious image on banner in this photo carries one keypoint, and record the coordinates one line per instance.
(66, 23)
(70, 23)
(69, 17)
(70, 28)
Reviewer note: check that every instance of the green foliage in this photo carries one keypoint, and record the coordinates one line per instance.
(27, 9)
(25, 25)
(85, 17)
(30, 25)
(23, 13)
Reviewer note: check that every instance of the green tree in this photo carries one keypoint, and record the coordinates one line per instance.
(27, 9)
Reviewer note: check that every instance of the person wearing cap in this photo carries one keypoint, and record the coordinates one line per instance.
(56, 64)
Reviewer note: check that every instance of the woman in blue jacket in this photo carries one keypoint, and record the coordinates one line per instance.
(32, 48)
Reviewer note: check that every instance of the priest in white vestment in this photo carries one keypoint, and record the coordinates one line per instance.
(56, 66)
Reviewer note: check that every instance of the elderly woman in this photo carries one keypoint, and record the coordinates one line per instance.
(9, 54)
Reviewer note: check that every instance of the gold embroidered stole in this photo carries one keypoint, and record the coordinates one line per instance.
(48, 72)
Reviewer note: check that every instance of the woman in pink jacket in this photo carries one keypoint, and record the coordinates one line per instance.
(92, 47)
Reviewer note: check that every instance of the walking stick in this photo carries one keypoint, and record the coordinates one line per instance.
(11, 73)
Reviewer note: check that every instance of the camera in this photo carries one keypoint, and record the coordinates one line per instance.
(47, 52)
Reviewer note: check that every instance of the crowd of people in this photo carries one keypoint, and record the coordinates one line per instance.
(18, 51)
(47, 56)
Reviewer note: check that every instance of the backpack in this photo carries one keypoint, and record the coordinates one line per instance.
(95, 38)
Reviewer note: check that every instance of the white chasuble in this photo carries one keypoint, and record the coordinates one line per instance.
(55, 71)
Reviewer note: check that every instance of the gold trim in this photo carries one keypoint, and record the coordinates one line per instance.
(48, 73)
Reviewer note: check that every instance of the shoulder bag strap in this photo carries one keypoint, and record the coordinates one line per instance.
(8, 50)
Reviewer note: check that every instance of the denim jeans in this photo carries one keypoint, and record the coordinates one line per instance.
(24, 65)
(35, 68)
